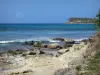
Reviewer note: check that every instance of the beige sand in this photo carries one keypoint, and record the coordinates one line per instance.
(46, 65)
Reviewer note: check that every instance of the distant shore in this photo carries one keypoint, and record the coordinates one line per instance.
(79, 23)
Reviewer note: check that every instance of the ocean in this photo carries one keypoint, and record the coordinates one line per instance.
(15, 33)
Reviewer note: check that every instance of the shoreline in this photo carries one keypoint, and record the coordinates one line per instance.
(22, 62)
(47, 39)
(14, 44)
(79, 23)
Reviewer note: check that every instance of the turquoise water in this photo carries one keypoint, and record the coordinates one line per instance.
(23, 32)
(12, 34)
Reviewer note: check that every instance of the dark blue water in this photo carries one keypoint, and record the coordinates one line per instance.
(27, 32)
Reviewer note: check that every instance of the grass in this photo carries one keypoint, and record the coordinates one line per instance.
(93, 67)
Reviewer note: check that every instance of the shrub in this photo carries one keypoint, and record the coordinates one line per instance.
(93, 67)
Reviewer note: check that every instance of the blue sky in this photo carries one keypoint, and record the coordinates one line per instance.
(46, 11)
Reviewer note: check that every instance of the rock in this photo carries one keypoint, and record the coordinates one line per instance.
(36, 51)
(37, 44)
(69, 41)
(29, 43)
(61, 51)
(67, 45)
(41, 52)
(91, 40)
(15, 52)
(85, 41)
(53, 46)
(60, 39)
(76, 47)
(32, 53)
(44, 46)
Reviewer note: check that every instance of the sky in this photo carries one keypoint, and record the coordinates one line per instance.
(46, 11)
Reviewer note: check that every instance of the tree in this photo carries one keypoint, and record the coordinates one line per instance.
(97, 24)
(97, 21)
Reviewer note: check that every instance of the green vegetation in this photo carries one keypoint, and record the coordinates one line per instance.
(80, 20)
(93, 66)
(97, 24)
(97, 21)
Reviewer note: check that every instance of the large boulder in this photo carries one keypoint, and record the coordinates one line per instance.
(53, 46)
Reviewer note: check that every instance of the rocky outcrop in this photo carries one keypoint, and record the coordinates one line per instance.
(53, 46)
(76, 47)
(47, 65)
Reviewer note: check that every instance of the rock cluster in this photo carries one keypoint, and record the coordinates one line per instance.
(47, 64)
(76, 47)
